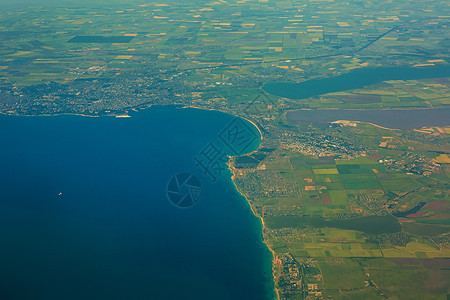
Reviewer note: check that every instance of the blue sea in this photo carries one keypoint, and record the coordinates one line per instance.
(84, 212)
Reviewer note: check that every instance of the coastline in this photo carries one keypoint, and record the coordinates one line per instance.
(233, 176)
(225, 112)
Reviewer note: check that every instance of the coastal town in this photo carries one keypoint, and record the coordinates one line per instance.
(300, 188)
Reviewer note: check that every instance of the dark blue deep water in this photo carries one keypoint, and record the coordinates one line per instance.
(84, 212)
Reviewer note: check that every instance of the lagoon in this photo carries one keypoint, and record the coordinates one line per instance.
(390, 118)
(355, 79)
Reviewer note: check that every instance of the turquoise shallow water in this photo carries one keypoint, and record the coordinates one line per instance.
(84, 212)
